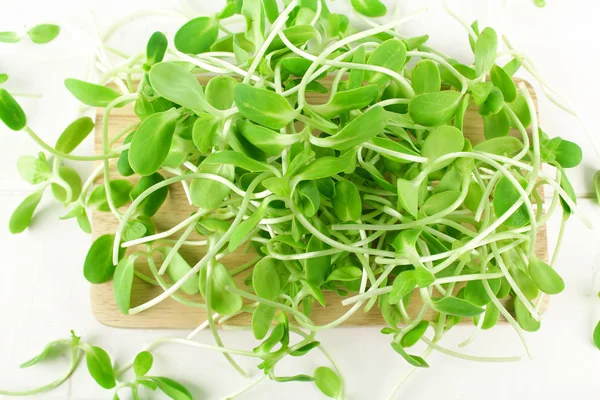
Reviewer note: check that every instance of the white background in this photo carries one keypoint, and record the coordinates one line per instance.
(43, 293)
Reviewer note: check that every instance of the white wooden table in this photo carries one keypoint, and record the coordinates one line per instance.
(43, 293)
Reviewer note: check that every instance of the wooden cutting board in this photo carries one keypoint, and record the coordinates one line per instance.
(171, 314)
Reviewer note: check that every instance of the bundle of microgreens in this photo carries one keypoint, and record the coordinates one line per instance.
(375, 195)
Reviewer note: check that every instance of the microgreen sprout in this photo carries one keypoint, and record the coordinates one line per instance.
(374, 194)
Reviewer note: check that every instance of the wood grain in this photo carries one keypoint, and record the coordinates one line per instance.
(171, 314)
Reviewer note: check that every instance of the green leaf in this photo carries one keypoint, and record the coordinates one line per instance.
(568, 154)
(207, 193)
(426, 77)
(596, 336)
(178, 267)
(414, 43)
(394, 146)
(43, 33)
(263, 106)
(151, 204)
(242, 231)
(413, 360)
(597, 185)
(74, 134)
(485, 51)
(271, 10)
(171, 388)
(240, 160)
(3, 78)
(9, 37)
(98, 266)
(545, 277)
(525, 283)
(405, 242)
(492, 315)
(521, 109)
(304, 349)
(99, 366)
(11, 112)
(219, 92)
(403, 285)
(408, 197)
(142, 363)
(345, 274)
(308, 198)
(414, 335)
(440, 202)
(252, 10)
(177, 84)
(359, 130)
(357, 76)
(496, 125)
(298, 35)
(475, 27)
(72, 178)
(265, 279)
(455, 306)
(512, 66)
(504, 146)
(390, 54)
(493, 104)
(267, 140)
(21, 217)
(156, 49)
(280, 186)
(50, 351)
(424, 277)
(123, 163)
(328, 382)
(504, 82)
(133, 230)
(119, 189)
(222, 301)
(204, 132)
(434, 109)
(566, 185)
(524, 318)
(323, 167)
(347, 204)
(353, 99)
(261, 320)
(481, 91)
(369, 8)
(33, 170)
(317, 269)
(84, 222)
(475, 292)
(505, 195)
(122, 283)
(91, 94)
(442, 140)
(197, 35)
